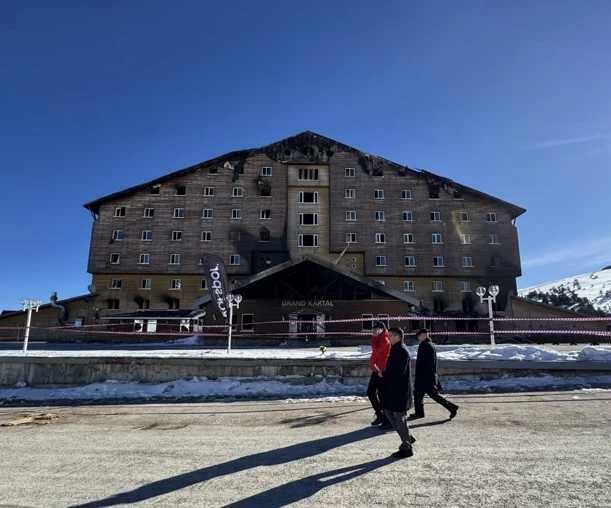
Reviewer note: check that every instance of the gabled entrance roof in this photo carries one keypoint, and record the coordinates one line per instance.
(379, 288)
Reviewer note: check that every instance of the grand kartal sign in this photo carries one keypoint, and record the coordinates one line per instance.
(307, 303)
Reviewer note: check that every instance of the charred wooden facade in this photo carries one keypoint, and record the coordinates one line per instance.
(421, 235)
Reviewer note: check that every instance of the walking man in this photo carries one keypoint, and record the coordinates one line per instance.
(397, 391)
(380, 348)
(427, 379)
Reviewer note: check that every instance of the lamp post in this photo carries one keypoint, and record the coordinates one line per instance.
(232, 301)
(494, 291)
(29, 305)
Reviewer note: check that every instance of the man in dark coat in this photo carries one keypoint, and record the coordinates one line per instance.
(397, 391)
(427, 379)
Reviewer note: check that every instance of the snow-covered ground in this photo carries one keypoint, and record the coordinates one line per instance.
(236, 388)
(592, 286)
(462, 353)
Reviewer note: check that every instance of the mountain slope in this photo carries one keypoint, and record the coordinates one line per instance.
(596, 287)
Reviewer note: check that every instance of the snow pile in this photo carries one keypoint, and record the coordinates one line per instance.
(510, 353)
(187, 341)
(596, 287)
(184, 388)
(596, 354)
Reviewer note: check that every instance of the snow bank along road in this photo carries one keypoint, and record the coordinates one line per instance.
(527, 450)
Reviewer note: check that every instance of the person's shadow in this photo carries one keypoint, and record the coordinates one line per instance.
(304, 487)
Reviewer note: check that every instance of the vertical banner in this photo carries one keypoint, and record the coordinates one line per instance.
(216, 275)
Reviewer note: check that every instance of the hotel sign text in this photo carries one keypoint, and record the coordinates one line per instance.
(307, 303)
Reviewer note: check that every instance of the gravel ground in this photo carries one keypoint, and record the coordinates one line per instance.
(521, 450)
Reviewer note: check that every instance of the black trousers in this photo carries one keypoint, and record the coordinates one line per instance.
(419, 394)
(373, 392)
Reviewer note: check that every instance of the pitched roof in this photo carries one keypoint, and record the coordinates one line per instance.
(306, 147)
(6, 314)
(381, 288)
(547, 306)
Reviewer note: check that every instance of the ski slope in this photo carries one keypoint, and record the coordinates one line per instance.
(595, 286)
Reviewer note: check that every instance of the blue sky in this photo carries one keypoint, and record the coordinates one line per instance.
(511, 98)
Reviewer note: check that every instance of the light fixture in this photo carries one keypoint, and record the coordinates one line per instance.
(493, 290)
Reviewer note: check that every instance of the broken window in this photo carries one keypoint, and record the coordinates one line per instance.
(308, 240)
(308, 197)
(120, 211)
(439, 305)
(235, 236)
(308, 173)
(156, 190)
(265, 214)
(248, 322)
(266, 192)
(264, 236)
(308, 219)
(213, 170)
(433, 191)
(181, 190)
(113, 304)
(378, 172)
(495, 262)
(468, 305)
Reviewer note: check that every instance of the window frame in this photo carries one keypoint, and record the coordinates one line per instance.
(237, 192)
(211, 215)
(175, 284)
(176, 234)
(209, 192)
(436, 262)
(176, 214)
(146, 237)
(315, 240)
(120, 211)
(491, 215)
(437, 284)
(148, 213)
(262, 214)
(350, 194)
(233, 258)
(407, 284)
(465, 286)
(407, 192)
(408, 265)
(118, 258)
(116, 284)
(378, 194)
(467, 237)
(173, 258)
(115, 237)
(207, 234)
(380, 238)
(350, 235)
(140, 257)
(351, 212)
(434, 237)
(146, 286)
(407, 216)
(264, 171)
(435, 214)
(376, 216)
(301, 198)
(379, 260)
(236, 214)
(470, 258)
(251, 324)
(491, 237)
(408, 235)
(350, 172)
(315, 219)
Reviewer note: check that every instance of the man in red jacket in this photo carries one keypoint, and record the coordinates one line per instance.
(380, 349)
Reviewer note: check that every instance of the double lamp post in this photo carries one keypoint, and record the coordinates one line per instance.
(493, 291)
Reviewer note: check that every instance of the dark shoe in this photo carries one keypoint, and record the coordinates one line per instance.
(380, 418)
(453, 412)
(386, 426)
(403, 454)
(415, 416)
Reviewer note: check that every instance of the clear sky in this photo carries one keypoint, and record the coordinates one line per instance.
(512, 98)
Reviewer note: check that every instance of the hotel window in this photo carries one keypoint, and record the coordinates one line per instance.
(208, 213)
(380, 216)
(265, 214)
(464, 216)
(117, 235)
(181, 190)
(238, 192)
(433, 191)
(350, 193)
(408, 285)
(234, 259)
(367, 321)
(116, 283)
(146, 284)
(206, 236)
(437, 286)
(156, 190)
(380, 260)
(436, 238)
(308, 219)
(467, 262)
(179, 213)
(115, 259)
(175, 284)
(378, 194)
(410, 261)
(174, 259)
(144, 259)
(495, 262)
(308, 173)
(213, 170)
(308, 240)
(491, 217)
(406, 194)
(308, 197)
(408, 238)
(248, 322)
(380, 238)
(465, 239)
(120, 211)
(149, 213)
(235, 236)
(236, 213)
(493, 239)
(203, 284)
(146, 236)
(265, 236)
(408, 216)
(176, 236)
(465, 286)
(435, 216)
(266, 171)
(209, 191)
(351, 216)
(265, 192)
(350, 172)
(438, 261)
(350, 237)
(113, 304)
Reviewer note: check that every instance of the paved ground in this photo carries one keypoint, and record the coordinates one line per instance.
(527, 450)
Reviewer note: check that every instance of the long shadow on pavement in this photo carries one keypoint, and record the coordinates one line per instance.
(269, 458)
(294, 491)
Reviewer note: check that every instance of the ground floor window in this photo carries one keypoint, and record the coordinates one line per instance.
(248, 322)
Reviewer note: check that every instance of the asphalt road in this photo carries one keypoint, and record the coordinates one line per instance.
(527, 450)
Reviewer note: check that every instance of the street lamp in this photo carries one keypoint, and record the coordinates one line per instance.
(494, 291)
(29, 305)
(232, 301)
